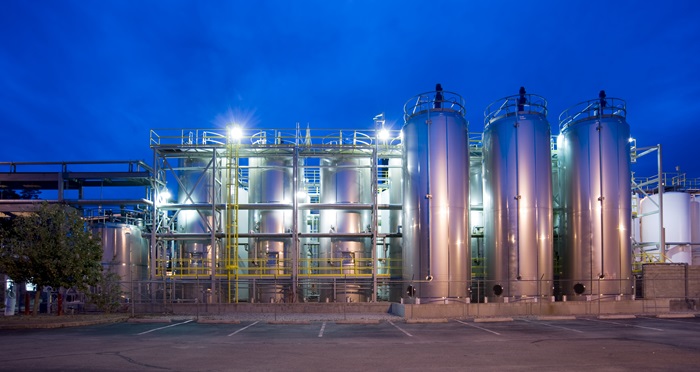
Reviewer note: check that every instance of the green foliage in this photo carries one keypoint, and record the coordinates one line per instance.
(107, 292)
(27, 194)
(51, 247)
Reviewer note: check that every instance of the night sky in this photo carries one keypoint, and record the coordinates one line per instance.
(87, 80)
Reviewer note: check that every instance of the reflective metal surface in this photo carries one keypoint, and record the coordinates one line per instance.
(436, 251)
(517, 175)
(595, 169)
(346, 179)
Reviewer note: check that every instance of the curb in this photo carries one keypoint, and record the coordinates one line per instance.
(426, 321)
(65, 324)
(359, 321)
(556, 317)
(288, 322)
(613, 317)
(149, 320)
(218, 321)
(492, 320)
(676, 316)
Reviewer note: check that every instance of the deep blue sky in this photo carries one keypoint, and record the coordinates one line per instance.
(87, 80)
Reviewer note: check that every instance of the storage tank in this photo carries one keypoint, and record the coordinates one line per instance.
(677, 225)
(517, 174)
(346, 180)
(196, 175)
(596, 183)
(436, 198)
(476, 222)
(124, 251)
(271, 186)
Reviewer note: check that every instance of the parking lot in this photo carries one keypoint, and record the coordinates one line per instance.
(524, 343)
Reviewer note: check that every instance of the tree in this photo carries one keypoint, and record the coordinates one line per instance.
(51, 247)
(107, 293)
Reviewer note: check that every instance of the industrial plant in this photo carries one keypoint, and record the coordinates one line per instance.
(429, 214)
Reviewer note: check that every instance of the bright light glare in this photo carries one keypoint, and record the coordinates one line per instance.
(235, 133)
(301, 195)
(631, 139)
(164, 196)
(383, 134)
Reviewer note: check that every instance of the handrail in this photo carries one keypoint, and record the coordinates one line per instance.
(198, 137)
(606, 107)
(424, 102)
(510, 105)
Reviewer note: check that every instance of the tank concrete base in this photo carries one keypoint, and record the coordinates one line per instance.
(437, 311)
(259, 308)
(580, 308)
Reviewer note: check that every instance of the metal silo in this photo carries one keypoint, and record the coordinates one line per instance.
(345, 180)
(436, 250)
(677, 227)
(124, 250)
(517, 174)
(196, 189)
(270, 186)
(596, 184)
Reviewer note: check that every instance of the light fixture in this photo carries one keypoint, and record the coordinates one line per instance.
(235, 133)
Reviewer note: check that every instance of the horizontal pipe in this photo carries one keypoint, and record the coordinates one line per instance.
(279, 206)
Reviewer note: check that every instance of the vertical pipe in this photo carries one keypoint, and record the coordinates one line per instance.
(428, 198)
(662, 230)
(295, 220)
(375, 210)
(601, 198)
(213, 259)
(155, 222)
(516, 243)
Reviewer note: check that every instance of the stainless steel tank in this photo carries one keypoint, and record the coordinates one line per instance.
(436, 198)
(124, 251)
(517, 175)
(346, 180)
(594, 156)
(270, 183)
(196, 175)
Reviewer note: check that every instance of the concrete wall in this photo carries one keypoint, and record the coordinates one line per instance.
(431, 311)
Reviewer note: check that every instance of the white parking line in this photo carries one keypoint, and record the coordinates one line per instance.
(172, 325)
(400, 329)
(248, 326)
(623, 324)
(483, 329)
(323, 326)
(552, 325)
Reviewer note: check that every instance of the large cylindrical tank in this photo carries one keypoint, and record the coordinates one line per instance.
(436, 250)
(594, 156)
(677, 225)
(270, 184)
(346, 180)
(196, 188)
(124, 250)
(517, 174)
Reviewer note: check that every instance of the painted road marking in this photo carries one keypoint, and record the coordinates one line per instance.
(323, 326)
(623, 324)
(248, 326)
(156, 329)
(483, 329)
(400, 329)
(552, 325)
